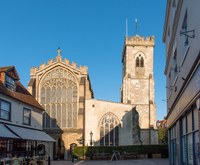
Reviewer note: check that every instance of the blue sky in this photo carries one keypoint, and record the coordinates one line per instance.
(89, 32)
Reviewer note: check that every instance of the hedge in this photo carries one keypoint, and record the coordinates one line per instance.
(140, 149)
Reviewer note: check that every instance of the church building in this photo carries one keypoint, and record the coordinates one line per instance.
(72, 114)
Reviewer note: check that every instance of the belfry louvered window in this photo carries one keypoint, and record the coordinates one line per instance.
(58, 95)
(139, 61)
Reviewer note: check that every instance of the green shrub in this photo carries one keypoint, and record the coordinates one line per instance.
(140, 149)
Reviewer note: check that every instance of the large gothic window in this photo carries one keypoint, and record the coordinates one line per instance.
(139, 61)
(58, 95)
(109, 130)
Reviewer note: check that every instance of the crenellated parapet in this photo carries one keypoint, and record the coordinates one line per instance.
(139, 41)
(58, 59)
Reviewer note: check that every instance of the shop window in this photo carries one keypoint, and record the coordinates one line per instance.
(41, 149)
(173, 145)
(190, 138)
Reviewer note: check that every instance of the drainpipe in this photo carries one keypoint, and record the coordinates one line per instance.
(149, 112)
(84, 119)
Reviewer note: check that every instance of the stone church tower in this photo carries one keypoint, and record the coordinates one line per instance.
(138, 81)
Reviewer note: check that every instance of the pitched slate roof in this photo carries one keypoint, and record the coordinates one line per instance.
(21, 93)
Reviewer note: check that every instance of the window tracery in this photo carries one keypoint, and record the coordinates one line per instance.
(139, 61)
(58, 95)
(109, 130)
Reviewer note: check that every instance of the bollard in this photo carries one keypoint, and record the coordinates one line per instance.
(49, 160)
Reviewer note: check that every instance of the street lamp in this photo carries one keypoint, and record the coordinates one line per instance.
(91, 134)
(91, 156)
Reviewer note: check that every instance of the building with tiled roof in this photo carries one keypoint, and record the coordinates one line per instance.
(20, 117)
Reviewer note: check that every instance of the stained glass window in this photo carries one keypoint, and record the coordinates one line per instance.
(59, 115)
(101, 136)
(48, 90)
(69, 115)
(109, 130)
(42, 95)
(58, 91)
(53, 115)
(53, 94)
(47, 115)
(64, 115)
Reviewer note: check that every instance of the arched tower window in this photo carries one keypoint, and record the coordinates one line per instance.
(139, 61)
(142, 62)
(58, 95)
(109, 130)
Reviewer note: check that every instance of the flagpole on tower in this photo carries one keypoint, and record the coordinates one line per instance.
(126, 27)
(136, 26)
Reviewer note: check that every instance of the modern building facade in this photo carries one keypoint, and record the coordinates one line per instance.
(181, 37)
(20, 119)
(73, 115)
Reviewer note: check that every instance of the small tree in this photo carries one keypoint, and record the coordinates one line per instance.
(162, 135)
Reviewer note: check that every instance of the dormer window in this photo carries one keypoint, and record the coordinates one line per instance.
(10, 83)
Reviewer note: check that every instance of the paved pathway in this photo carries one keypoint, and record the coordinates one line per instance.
(120, 162)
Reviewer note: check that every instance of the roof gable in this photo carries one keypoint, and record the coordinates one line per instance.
(10, 71)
